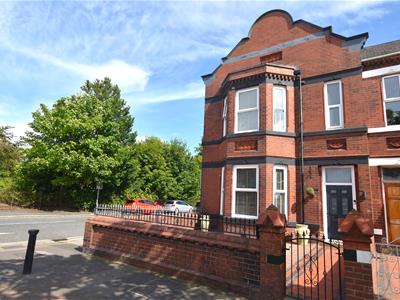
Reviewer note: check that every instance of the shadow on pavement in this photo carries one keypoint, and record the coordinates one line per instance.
(71, 275)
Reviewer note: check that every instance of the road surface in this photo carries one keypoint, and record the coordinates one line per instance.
(14, 225)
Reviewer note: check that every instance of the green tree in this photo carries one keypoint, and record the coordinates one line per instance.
(184, 169)
(167, 170)
(9, 152)
(154, 179)
(9, 158)
(83, 139)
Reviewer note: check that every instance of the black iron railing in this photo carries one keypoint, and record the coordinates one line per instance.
(196, 220)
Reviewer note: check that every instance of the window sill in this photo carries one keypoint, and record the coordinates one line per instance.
(335, 128)
(246, 131)
(384, 129)
(244, 217)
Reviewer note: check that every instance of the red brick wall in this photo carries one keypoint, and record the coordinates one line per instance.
(378, 146)
(322, 55)
(211, 189)
(316, 146)
(377, 206)
(313, 205)
(227, 261)
(358, 280)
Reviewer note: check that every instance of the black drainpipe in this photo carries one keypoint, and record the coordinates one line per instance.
(297, 73)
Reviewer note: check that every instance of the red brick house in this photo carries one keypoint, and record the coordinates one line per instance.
(309, 120)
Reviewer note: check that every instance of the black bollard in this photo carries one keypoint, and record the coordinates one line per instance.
(30, 251)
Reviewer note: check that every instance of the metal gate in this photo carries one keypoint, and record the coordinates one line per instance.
(313, 268)
(386, 263)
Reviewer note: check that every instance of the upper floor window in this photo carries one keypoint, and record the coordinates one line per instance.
(391, 96)
(224, 115)
(333, 105)
(279, 103)
(246, 110)
(245, 191)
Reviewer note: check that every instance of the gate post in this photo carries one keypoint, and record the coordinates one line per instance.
(356, 232)
(271, 225)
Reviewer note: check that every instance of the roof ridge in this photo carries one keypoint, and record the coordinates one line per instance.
(381, 44)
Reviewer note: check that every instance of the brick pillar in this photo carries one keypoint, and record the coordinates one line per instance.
(272, 225)
(356, 232)
(87, 236)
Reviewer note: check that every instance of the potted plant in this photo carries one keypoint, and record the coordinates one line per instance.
(310, 191)
(303, 232)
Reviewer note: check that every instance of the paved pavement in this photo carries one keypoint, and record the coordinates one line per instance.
(61, 271)
(14, 224)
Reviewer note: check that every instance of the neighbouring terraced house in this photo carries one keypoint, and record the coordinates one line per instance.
(346, 153)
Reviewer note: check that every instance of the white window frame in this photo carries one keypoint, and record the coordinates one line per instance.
(237, 111)
(221, 204)
(285, 186)
(275, 127)
(324, 196)
(327, 107)
(224, 116)
(390, 99)
(235, 189)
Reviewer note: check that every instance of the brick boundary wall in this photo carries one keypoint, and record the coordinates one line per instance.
(255, 268)
(224, 261)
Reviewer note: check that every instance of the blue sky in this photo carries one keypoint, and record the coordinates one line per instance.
(155, 51)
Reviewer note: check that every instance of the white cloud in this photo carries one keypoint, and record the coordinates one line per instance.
(128, 77)
(164, 41)
(192, 90)
(348, 12)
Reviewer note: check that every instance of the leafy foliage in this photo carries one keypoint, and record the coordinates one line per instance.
(9, 152)
(167, 170)
(9, 158)
(87, 139)
(82, 140)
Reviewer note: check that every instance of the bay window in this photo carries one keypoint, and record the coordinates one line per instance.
(245, 191)
(247, 112)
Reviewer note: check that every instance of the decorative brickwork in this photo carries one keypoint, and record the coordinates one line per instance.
(393, 142)
(271, 57)
(338, 144)
(250, 145)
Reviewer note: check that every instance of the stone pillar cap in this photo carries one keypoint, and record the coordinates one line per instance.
(272, 216)
(356, 221)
